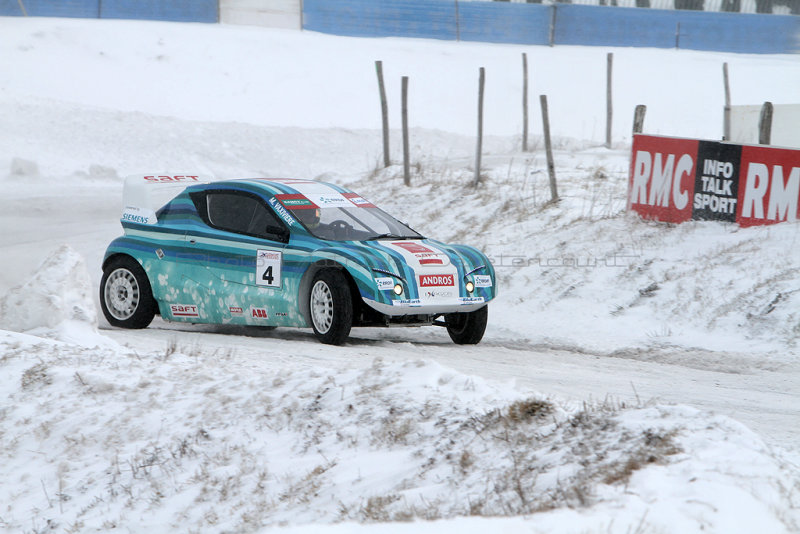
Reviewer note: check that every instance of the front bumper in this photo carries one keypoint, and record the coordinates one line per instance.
(417, 307)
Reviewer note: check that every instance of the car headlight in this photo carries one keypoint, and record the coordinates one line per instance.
(398, 289)
(470, 287)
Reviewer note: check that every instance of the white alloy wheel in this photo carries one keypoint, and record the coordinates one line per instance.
(121, 294)
(322, 307)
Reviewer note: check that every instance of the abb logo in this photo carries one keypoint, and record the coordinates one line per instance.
(258, 313)
(159, 178)
(436, 280)
(183, 310)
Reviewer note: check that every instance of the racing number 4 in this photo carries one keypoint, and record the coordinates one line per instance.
(267, 276)
(268, 268)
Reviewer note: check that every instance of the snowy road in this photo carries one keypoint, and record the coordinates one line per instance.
(764, 396)
(766, 400)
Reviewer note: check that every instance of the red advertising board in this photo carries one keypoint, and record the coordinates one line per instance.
(769, 185)
(661, 184)
(676, 180)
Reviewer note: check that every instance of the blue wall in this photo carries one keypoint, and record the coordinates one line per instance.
(382, 18)
(728, 32)
(493, 22)
(50, 8)
(502, 22)
(174, 10)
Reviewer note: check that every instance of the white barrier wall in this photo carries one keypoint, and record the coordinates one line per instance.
(785, 125)
(270, 13)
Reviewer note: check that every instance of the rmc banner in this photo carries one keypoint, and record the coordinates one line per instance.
(676, 180)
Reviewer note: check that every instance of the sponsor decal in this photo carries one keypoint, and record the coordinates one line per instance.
(470, 300)
(172, 179)
(359, 201)
(235, 310)
(296, 202)
(259, 313)
(425, 255)
(407, 302)
(281, 211)
(436, 280)
(438, 293)
(183, 310)
(268, 268)
(746, 184)
(482, 280)
(134, 214)
(331, 200)
(281, 314)
(129, 217)
(414, 248)
(160, 254)
(384, 283)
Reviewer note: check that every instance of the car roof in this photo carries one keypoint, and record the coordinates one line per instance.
(277, 186)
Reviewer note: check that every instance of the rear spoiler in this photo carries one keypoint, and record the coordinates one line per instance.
(143, 194)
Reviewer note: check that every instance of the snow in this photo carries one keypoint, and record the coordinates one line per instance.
(635, 376)
(57, 301)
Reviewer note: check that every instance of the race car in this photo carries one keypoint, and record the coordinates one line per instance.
(284, 253)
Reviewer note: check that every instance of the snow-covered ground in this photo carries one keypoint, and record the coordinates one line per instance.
(636, 377)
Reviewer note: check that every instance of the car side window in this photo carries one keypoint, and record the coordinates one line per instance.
(243, 214)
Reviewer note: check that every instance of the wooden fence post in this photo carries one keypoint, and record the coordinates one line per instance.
(458, 23)
(765, 124)
(726, 114)
(551, 167)
(384, 114)
(524, 102)
(406, 164)
(638, 118)
(479, 148)
(609, 105)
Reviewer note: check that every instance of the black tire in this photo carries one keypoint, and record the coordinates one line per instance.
(467, 328)
(125, 294)
(330, 307)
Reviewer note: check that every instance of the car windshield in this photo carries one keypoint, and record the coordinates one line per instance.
(352, 223)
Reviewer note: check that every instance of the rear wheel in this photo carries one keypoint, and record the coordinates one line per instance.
(331, 307)
(125, 294)
(467, 328)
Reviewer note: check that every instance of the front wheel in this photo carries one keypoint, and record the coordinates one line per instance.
(467, 328)
(331, 307)
(126, 297)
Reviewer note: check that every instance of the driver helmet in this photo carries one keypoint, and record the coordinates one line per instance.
(310, 218)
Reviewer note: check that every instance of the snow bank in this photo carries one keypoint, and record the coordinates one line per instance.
(57, 301)
(186, 439)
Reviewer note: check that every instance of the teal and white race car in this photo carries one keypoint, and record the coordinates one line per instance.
(284, 252)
